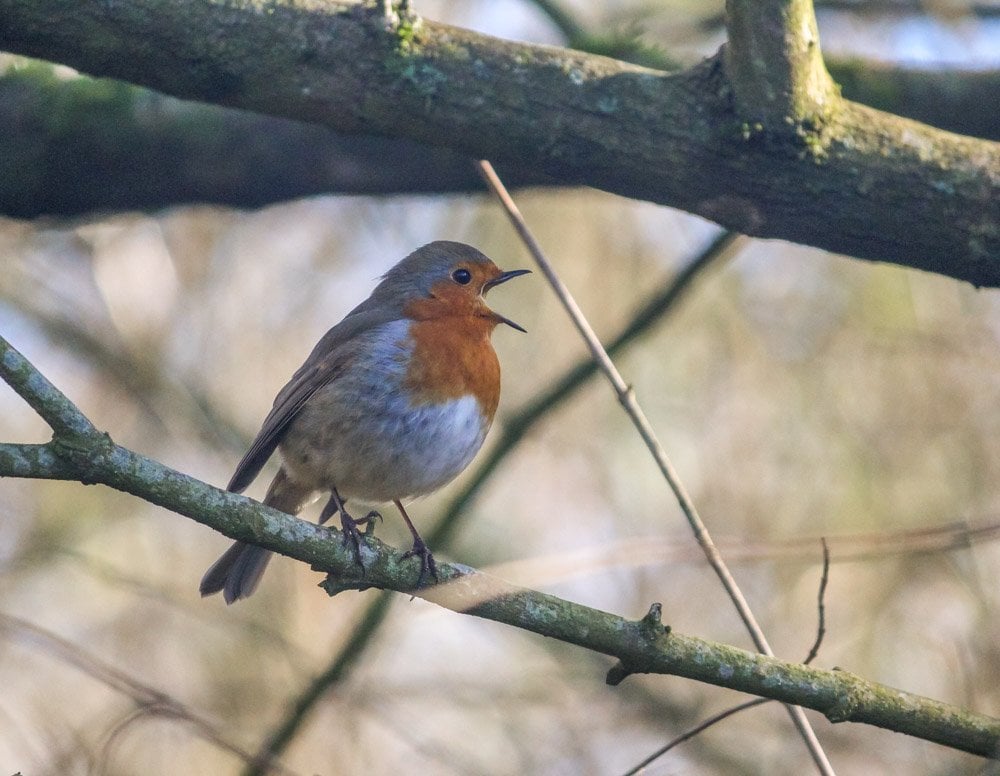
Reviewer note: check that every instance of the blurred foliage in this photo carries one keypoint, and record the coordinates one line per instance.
(800, 395)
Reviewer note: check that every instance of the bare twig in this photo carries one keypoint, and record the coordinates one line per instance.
(820, 605)
(699, 728)
(626, 396)
(722, 715)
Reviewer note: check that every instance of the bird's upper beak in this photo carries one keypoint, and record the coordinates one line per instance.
(503, 277)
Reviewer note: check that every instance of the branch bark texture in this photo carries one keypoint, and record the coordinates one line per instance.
(80, 452)
(847, 178)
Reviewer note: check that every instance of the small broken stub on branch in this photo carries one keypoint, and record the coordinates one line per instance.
(654, 619)
(333, 585)
(653, 627)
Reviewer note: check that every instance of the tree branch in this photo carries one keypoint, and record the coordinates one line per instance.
(49, 402)
(645, 646)
(838, 179)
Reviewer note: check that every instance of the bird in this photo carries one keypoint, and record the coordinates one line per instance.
(392, 403)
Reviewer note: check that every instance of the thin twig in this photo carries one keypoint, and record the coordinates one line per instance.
(705, 725)
(820, 605)
(626, 396)
(699, 728)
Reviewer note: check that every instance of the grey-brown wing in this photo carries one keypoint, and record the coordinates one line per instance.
(331, 356)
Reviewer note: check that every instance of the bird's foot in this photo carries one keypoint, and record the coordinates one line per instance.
(427, 564)
(369, 521)
(352, 536)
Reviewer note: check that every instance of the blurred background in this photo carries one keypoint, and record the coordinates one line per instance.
(799, 394)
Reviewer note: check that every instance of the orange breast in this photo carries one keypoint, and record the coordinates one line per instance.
(453, 357)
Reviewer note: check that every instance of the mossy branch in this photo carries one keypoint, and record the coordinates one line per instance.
(81, 452)
(846, 178)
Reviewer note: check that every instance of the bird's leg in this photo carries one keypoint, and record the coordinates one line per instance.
(349, 526)
(330, 509)
(420, 550)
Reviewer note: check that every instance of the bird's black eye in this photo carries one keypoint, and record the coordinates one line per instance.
(462, 276)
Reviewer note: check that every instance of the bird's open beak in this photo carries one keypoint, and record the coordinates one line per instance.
(503, 277)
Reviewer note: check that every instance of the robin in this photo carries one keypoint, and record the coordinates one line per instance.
(393, 402)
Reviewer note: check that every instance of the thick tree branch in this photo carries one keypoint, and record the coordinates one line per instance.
(849, 179)
(645, 646)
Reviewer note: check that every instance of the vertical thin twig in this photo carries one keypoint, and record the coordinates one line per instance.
(626, 396)
(820, 604)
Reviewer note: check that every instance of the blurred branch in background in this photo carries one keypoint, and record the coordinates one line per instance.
(87, 146)
(953, 99)
(139, 371)
(659, 551)
(148, 701)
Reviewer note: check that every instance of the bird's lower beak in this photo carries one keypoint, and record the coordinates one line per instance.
(501, 319)
(503, 277)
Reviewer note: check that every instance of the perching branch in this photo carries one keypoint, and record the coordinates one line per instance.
(846, 178)
(80, 452)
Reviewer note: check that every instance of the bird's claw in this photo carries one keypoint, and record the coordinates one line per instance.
(369, 520)
(427, 564)
(352, 537)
